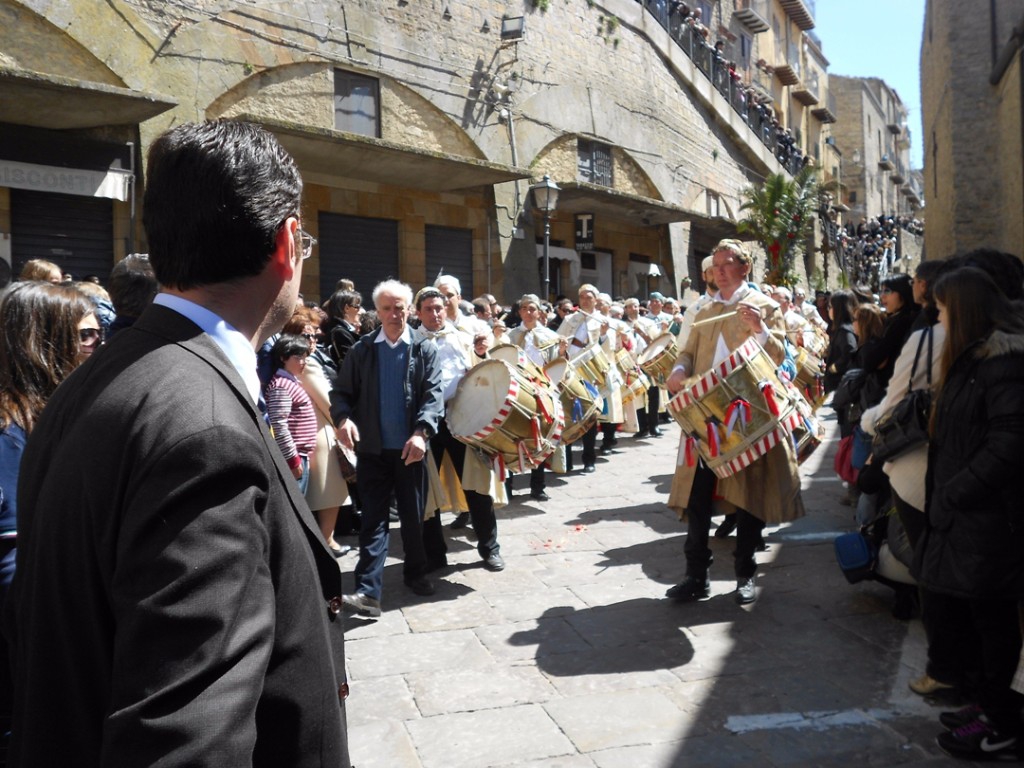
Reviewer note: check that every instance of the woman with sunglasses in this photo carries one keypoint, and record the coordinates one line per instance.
(46, 331)
(897, 298)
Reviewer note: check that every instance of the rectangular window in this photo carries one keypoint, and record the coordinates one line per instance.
(746, 46)
(594, 161)
(356, 103)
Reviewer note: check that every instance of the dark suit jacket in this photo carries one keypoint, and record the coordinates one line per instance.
(356, 392)
(174, 603)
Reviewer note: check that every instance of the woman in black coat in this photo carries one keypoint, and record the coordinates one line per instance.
(970, 558)
(897, 298)
(344, 312)
(842, 340)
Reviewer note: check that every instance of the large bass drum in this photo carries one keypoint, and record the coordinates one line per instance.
(498, 409)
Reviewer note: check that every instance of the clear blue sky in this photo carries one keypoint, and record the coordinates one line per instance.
(877, 38)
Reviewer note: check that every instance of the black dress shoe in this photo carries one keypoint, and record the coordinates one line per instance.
(494, 562)
(588, 468)
(690, 590)
(461, 521)
(745, 592)
(421, 586)
(655, 432)
(539, 496)
(364, 605)
(641, 434)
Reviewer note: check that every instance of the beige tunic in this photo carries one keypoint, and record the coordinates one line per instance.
(770, 487)
(612, 389)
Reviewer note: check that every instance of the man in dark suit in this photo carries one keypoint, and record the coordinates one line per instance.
(387, 402)
(174, 602)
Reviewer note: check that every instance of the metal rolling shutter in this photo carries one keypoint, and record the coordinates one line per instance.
(450, 251)
(361, 249)
(76, 233)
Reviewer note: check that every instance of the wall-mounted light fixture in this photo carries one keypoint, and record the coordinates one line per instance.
(513, 28)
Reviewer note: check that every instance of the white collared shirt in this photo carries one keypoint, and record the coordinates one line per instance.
(405, 338)
(722, 350)
(232, 341)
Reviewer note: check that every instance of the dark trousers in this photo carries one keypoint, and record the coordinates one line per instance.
(698, 513)
(589, 441)
(977, 638)
(911, 517)
(379, 477)
(647, 418)
(481, 507)
(537, 479)
(608, 432)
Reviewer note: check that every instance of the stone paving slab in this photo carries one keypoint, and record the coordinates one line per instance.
(493, 737)
(617, 719)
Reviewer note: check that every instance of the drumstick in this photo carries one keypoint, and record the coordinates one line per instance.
(714, 319)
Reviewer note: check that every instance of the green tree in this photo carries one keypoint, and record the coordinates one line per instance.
(779, 218)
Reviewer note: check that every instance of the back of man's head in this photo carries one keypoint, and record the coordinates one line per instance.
(217, 195)
(132, 285)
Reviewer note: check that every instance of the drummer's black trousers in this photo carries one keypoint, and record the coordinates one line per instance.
(698, 513)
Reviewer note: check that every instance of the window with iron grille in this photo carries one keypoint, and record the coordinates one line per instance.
(356, 103)
(595, 162)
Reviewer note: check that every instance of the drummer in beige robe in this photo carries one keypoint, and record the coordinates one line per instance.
(584, 329)
(463, 478)
(541, 345)
(768, 491)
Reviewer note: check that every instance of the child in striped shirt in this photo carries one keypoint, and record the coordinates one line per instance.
(290, 409)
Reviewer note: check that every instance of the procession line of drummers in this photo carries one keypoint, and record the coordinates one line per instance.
(544, 390)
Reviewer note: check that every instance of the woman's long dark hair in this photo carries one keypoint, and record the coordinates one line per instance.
(903, 287)
(974, 307)
(38, 346)
(844, 306)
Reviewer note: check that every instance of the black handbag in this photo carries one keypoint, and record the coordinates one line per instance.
(906, 425)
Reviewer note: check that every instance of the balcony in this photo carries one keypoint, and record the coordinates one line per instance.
(826, 112)
(788, 70)
(894, 128)
(807, 92)
(899, 175)
(885, 164)
(753, 15)
(799, 12)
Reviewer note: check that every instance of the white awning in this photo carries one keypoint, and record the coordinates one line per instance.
(114, 183)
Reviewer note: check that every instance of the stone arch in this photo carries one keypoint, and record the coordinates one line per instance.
(30, 41)
(559, 159)
(303, 93)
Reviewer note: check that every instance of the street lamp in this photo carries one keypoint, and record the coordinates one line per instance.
(545, 198)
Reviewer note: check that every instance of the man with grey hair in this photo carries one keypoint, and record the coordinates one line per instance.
(386, 403)
(451, 290)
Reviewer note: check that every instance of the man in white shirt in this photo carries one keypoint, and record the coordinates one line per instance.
(476, 477)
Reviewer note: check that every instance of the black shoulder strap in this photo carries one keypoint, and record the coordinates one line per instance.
(927, 332)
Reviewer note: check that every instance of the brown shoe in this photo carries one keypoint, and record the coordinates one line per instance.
(926, 685)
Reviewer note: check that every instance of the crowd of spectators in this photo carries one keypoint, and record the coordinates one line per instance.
(688, 28)
(867, 249)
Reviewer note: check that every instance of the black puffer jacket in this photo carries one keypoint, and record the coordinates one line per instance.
(973, 545)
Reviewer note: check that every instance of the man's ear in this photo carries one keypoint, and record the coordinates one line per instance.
(284, 255)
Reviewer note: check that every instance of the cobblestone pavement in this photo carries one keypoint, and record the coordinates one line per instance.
(572, 657)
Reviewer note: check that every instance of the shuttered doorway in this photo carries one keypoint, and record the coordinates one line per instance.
(76, 233)
(450, 251)
(362, 249)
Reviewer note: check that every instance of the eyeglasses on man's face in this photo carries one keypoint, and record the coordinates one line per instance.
(90, 336)
(307, 241)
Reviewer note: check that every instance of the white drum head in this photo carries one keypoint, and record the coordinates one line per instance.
(656, 347)
(556, 369)
(510, 353)
(479, 397)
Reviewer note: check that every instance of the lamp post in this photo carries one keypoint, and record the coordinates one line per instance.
(545, 199)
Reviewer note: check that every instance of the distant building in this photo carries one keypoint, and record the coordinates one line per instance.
(971, 83)
(873, 136)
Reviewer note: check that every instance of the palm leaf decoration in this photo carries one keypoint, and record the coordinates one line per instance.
(779, 218)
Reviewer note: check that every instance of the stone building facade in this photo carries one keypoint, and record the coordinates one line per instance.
(874, 139)
(418, 126)
(971, 96)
